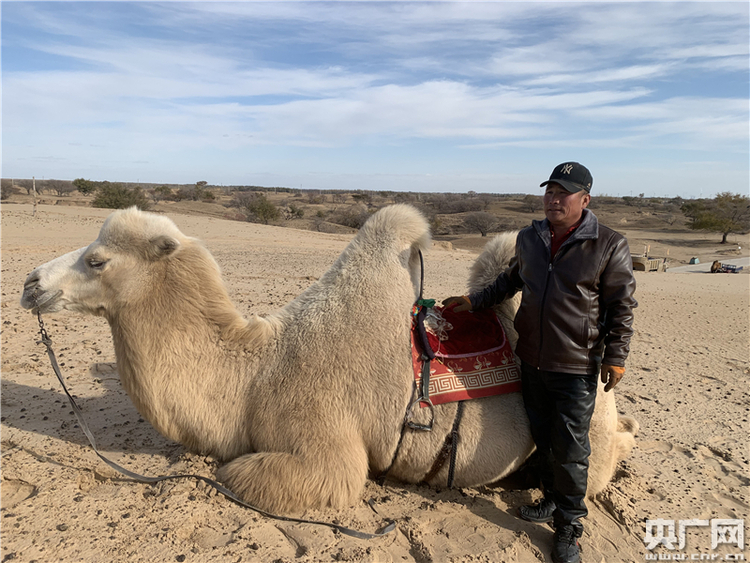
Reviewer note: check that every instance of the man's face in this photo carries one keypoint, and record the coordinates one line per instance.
(563, 208)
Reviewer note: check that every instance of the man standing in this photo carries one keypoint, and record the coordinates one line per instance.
(574, 322)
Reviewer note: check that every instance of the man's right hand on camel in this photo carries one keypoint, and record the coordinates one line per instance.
(462, 303)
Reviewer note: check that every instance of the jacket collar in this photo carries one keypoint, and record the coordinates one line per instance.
(588, 229)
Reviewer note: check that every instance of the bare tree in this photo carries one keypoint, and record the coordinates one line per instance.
(315, 196)
(485, 200)
(481, 221)
(61, 187)
(26, 185)
(532, 203)
(6, 188)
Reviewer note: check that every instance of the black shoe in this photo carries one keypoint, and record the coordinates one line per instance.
(539, 512)
(565, 546)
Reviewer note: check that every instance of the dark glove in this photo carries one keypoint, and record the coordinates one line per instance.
(611, 375)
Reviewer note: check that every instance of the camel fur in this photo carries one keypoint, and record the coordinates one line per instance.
(299, 411)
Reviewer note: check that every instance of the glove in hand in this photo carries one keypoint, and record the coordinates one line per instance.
(611, 376)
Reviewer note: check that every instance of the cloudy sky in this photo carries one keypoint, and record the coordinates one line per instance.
(423, 96)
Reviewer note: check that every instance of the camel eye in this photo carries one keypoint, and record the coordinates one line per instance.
(96, 264)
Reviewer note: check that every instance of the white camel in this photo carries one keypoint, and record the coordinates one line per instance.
(305, 403)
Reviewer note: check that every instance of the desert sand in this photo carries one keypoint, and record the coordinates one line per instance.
(686, 383)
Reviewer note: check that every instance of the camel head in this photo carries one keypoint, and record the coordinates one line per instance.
(132, 249)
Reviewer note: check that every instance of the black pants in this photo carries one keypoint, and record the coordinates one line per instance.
(560, 406)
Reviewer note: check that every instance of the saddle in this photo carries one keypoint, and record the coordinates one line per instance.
(460, 356)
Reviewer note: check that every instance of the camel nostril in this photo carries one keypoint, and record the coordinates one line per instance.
(31, 282)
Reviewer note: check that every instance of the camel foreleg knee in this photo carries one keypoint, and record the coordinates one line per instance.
(287, 483)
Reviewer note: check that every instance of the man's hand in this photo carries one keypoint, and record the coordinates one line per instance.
(611, 375)
(462, 303)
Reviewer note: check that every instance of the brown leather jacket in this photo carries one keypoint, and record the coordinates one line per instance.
(576, 311)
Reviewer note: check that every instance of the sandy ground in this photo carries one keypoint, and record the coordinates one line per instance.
(687, 384)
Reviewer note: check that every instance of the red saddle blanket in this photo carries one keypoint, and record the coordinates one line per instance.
(473, 357)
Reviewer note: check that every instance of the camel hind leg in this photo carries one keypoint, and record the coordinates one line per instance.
(612, 438)
(287, 483)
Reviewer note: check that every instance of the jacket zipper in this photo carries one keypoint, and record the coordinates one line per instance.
(541, 316)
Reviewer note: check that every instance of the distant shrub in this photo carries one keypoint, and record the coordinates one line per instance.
(161, 192)
(61, 187)
(117, 196)
(353, 216)
(6, 189)
(256, 206)
(295, 212)
(84, 186)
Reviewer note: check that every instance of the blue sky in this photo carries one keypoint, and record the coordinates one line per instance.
(425, 96)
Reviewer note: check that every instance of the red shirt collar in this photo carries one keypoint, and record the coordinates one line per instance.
(557, 242)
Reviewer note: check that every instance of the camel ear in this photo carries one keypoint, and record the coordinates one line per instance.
(161, 247)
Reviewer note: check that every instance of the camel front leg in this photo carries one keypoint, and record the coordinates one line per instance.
(287, 483)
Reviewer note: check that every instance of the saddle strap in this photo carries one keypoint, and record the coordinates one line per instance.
(448, 451)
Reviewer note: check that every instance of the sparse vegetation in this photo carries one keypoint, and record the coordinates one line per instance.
(726, 213)
(451, 215)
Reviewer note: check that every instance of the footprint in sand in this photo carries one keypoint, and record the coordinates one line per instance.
(655, 446)
(15, 491)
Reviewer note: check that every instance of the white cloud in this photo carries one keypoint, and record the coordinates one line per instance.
(241, 76)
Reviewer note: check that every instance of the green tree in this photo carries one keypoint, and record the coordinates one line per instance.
(117, 196)
(86, 187)
(726, 213)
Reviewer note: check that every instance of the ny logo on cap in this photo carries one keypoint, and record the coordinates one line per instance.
(567, 169)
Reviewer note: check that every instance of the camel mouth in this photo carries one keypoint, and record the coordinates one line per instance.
(39, 303)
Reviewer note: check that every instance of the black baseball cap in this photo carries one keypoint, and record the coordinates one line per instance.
(572, 176)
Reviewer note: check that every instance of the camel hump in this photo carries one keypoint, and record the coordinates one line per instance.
(492, 261)
(401, 224)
